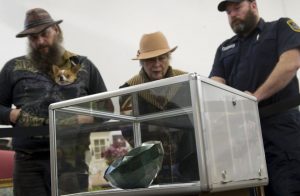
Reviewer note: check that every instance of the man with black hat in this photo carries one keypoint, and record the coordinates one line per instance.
(263, 59)
(28, 83)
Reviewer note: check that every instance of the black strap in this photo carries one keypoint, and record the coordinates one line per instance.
(24, 131)
(279, 106)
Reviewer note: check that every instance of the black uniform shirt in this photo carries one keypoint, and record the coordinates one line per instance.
(246, 62)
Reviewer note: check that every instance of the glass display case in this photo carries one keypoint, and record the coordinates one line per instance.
(210, 134)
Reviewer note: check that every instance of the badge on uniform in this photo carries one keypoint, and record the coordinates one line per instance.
(293, 25)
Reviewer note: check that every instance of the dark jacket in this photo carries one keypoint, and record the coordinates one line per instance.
(24, 86)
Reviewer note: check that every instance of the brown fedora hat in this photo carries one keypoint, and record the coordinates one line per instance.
(36, 21)
(153, 45)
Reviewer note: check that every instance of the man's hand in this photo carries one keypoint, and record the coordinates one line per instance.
(218, 79)
(252, 95)
(14, 114)
(81, 119)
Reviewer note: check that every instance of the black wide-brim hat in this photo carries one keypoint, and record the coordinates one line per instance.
(222, 4)
(36, 21)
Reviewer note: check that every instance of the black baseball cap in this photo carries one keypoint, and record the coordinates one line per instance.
(222, 4)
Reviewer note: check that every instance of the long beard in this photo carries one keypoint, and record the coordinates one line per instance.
(244, 27)
(44, 61)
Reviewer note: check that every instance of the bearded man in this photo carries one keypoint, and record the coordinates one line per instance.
(28, 83)
(263, 59)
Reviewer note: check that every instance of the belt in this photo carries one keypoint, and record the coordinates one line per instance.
(279, 107)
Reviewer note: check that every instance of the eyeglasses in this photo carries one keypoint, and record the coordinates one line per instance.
(162, 58)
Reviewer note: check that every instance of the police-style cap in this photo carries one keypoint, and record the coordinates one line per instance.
(222, 4)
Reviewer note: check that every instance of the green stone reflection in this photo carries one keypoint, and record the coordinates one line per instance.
(138, 168)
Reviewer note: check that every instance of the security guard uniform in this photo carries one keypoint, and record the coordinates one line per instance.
(245, 63)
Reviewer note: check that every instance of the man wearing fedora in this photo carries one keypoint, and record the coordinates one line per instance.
(263, 59)
(27, 83)
(154, 56)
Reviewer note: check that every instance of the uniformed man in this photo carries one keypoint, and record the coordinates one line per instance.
(263, 58)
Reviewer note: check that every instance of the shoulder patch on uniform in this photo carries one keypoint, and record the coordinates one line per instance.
(293, 25)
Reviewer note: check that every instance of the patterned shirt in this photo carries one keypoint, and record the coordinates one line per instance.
(24, 86)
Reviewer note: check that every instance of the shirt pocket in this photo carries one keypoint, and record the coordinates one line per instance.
(266, 46)
(265, 53)
(229, 58)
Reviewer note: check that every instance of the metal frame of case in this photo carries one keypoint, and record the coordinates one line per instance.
(209, 180)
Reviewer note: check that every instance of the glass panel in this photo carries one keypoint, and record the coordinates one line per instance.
(164, 98)
(234, 150)
(102, 142)
(84, 151)
(105, 105)
(90, 136)
(177, 136)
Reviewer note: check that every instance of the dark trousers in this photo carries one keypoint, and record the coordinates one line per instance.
(284, 179)
(281, 136)
(32, 174)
